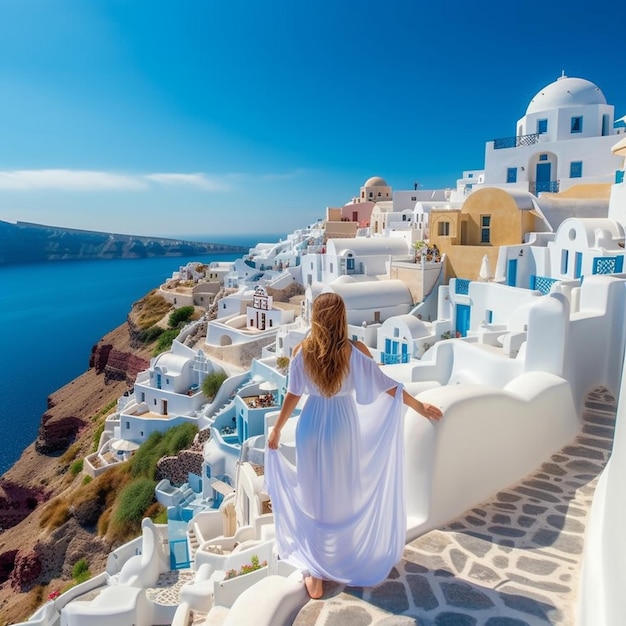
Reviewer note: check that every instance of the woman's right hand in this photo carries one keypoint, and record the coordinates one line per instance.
(274, 439)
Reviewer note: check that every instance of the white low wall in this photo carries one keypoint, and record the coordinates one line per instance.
(488, 440)
(603, 576)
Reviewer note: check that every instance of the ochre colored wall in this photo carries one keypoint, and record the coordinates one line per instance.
(465, 261)
(506, 218)
(412, 278)
(463, 249)
(590, 190)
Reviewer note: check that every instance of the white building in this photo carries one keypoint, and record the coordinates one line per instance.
(168, 393)
(564, 139)
(362, 256)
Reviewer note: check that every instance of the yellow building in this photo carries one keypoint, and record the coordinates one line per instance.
(488, 219)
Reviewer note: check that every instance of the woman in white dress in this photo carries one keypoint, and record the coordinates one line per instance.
(340, 513)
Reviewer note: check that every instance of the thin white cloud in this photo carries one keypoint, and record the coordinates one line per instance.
(68, 180)
(89, 180)
(198, 180)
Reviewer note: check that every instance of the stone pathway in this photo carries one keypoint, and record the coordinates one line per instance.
(512, 561)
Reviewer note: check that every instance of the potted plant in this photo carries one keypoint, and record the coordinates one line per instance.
(417, 246)
(236, 581)
(282, 364)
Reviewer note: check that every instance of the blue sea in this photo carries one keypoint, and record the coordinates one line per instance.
(51, 314)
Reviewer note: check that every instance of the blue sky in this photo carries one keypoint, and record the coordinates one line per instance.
(173, 117)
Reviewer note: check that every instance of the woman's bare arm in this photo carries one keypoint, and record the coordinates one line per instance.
(289, 404)
(429, 411)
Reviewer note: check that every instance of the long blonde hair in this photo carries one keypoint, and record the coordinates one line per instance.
(326, 360)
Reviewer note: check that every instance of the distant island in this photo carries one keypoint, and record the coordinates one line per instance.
(24, 242)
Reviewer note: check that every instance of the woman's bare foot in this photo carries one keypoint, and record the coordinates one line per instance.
(314, 587)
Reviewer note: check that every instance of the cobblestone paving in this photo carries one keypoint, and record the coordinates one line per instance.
(512, 561)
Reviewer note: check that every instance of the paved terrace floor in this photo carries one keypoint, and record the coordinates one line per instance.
(512, 561)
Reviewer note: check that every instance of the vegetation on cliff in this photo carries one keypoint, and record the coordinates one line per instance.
(150, 314)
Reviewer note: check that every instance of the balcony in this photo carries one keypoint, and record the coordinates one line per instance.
(551, 186)
(393, 359)
(515, 142)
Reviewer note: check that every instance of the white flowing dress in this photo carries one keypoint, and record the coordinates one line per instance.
(340, 512)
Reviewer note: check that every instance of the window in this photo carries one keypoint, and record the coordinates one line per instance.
(543, 157)
(396, 332)
(511, 174)
(443, 229)
(542, 126)
(564, 261)
(577, 124)
(470, 175)
(127, 425)
(489, 316)
(485, 228)
(413, 198)
(576, 169)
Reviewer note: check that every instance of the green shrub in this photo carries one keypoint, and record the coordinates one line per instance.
(165, 340)
(96, 437)
(151, 334)
(76, 467)
(171, 442)
(212, 383)
(133, 501)
(80, 571)
(87, 479)
(180, 315)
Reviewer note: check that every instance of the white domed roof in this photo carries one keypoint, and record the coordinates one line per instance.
(375, 181)
(565, 92)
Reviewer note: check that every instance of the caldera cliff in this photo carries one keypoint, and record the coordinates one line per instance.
(37, 550)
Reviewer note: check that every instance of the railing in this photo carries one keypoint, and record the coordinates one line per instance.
(608, 265)
(542, 283)
(461, 286)
(393, 359)
(551, 186)
(515, 142)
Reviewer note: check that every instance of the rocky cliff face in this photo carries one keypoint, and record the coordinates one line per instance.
(34, 560)
(61, 424)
